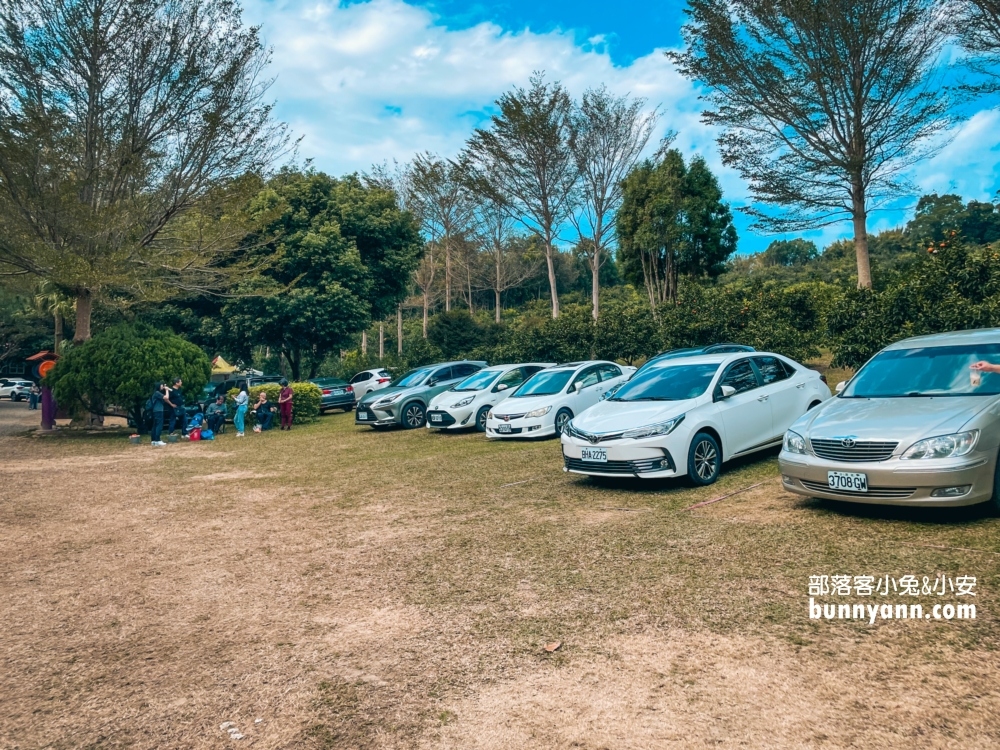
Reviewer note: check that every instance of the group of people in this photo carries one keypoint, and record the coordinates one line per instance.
(171, 397)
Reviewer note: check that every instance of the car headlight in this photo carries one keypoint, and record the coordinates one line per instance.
(464, 402)
(663, 428)
(943, 446)
(794, 443)
(489, 414)
(388, 400)
(538, 412)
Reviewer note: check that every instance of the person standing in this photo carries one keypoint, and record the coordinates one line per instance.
(177, 399)
(33, 396)
(159, 401)
(285, 404)
(242, 403)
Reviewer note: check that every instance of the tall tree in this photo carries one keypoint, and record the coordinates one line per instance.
(117, 118)
(610, 134)
(330, 245)
(440, 197)
(524, 162)
(977, 26)
(824, 104)
(427, 281)
(507, 260)
(673, 221)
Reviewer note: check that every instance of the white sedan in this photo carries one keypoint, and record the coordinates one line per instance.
(468, 403)
(552, 397)
(688, 416)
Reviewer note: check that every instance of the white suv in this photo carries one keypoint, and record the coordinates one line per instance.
(367, 381)
(15, 390)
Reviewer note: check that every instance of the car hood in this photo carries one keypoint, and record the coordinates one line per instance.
(615, 416)
(383, 392)
(446, 398)
(898, 419)
(523, 405)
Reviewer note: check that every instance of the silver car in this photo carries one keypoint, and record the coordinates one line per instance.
(917, 425)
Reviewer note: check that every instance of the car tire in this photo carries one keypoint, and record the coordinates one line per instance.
(704, 459)
(413, 415)
(994, 501)
(481, 418)
(562, 417)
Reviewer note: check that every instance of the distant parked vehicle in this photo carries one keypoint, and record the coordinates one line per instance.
(468, 403)
(15, 390)
(335, 394)
(367, 381)
(917, 425)
(405, 401)
(688, 415)
(550, 398)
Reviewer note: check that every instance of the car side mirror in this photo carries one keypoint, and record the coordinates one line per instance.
(725, 391)
(502, 387)
(841, 386)
(432, 382)
(573, 388)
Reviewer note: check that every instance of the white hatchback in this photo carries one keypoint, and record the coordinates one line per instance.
(552, 397)
(468, 403)
(688, 416)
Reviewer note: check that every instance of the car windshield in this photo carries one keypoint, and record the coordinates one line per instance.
(544, 383)
(480, 381)
(927, 371)
(413, 377)
(668, 383)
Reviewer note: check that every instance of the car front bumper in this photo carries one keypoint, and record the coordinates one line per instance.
(450, 419)
(522, 428)
(893, 481)
(648, 459)
(366, 415)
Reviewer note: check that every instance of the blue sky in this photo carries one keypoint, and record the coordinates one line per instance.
(380, 80)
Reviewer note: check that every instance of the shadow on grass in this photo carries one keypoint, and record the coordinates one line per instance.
(938, 516)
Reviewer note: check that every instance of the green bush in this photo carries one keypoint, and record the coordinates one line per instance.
(119, 366)
(305, 401)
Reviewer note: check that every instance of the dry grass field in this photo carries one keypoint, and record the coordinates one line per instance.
(334, 587)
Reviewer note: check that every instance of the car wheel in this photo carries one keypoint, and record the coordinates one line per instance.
(413, 415)
(995, 500)
(562, 417)
(481, 418)
(704, 459)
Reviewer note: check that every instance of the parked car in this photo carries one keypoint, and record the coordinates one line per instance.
(405, 401)
(725, 348)
(15, 390)
(914, 426)
(689, 415)
(367, 381)
(336, 394)
(545, 402)
(468, 403)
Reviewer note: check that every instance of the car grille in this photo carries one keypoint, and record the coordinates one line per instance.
(862, 450)
(507, 417)
(365, 415)
(594, 438)
(618, 467)
(886, 493)
(446, 420)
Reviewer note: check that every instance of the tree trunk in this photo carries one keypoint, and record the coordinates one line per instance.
(550, 262)
(59, 330)
(497, 293)
(84, 308)
(595, 281)
(427, 304)
(399, 329)
(364, 342)
(447, 276)
(860, 216)
(381, 341)
(670, 274)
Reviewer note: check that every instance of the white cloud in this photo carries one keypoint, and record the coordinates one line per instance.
(969, 164)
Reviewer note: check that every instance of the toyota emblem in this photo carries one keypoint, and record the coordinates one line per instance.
(593, 438)
(848, 442)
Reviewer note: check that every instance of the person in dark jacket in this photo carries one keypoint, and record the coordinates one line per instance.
(265, 412)
(215, 414)
(158, 402)
(178, 415)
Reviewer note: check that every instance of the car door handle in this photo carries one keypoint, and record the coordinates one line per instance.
(763, 398)
(801, 385)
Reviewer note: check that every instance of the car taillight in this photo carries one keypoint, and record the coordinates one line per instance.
(327, 391)
(350, 389)
(383, 380)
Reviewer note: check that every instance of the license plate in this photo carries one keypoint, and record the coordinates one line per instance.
(847, 480)
(598, 455)
(503, 428)
(435, 417)
(338, 391)
(362, 415)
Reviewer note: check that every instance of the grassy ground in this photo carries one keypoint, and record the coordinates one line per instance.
(334, 587)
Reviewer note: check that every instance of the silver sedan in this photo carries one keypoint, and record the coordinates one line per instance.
(919, 424)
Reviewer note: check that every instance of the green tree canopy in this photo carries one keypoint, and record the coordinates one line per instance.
(795, 252)
(338, 254)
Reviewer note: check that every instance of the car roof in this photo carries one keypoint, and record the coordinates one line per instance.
(952, 338)
(583, 363)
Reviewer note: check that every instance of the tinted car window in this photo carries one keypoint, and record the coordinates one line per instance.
(361, 377)
(463, 371)
(771, 369)
(513, 378)
(587, 378)
(609, 372)
(740, 376)
(442, 374)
